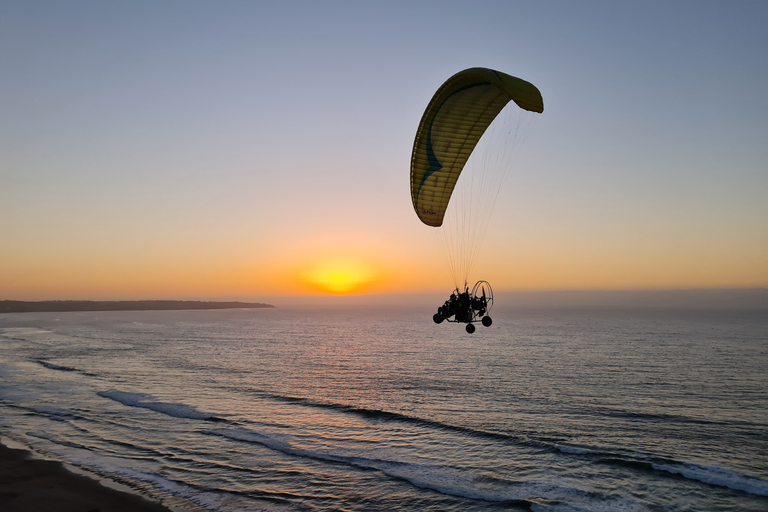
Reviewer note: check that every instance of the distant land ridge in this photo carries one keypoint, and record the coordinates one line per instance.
(57, 306)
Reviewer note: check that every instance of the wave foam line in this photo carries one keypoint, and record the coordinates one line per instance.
(720, 477)
(153, 483)
(54, 412)
(147, 401)
(711, 475)
(57, 440)
(61, 368)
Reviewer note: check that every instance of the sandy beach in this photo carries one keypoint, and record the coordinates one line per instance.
(33, 485)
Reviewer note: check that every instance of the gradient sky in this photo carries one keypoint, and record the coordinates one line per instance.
(244, 149)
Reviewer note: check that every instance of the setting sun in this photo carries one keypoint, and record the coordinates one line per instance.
(339, 276)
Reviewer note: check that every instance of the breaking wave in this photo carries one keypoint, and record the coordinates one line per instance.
(712, 475)
(61, 368)
(147, 401)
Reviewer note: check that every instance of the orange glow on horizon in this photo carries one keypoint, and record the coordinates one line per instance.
(355, 263)
(338, 264)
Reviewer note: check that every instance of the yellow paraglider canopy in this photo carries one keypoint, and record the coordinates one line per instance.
(455, 119)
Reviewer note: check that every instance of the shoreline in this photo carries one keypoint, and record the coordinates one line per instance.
(30, 484)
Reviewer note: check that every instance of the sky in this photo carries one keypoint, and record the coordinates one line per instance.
(255, 150)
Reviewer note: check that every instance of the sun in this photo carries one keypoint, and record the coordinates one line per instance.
(339, 276)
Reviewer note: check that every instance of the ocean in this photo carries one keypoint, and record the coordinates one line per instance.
(366, 409)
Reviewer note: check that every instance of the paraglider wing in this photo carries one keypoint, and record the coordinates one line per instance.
(455, 119)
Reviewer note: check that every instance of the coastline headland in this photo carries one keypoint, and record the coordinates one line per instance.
(58, 306)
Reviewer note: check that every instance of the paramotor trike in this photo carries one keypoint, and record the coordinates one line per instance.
(468, 307)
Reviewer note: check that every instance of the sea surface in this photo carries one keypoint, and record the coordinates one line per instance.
(380, 409)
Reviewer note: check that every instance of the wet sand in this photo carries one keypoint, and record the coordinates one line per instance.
(33, 485)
